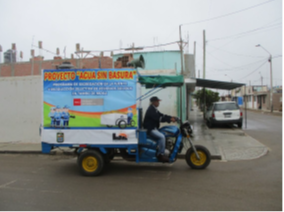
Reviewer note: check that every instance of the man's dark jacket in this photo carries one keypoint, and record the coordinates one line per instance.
(153, 118)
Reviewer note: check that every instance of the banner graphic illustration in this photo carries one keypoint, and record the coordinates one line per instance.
(89, 99)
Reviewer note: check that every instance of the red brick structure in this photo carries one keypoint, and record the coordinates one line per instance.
(33, 67)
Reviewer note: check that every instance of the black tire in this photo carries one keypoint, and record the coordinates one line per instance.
(240, 125)
(209, 124)
(132, 123)
(91, 163)
(193, 162)
(122, 124)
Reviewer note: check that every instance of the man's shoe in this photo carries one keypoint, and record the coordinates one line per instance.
(167, 152)
(163, 158)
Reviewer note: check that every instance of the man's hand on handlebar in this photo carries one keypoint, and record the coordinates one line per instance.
(173, 119)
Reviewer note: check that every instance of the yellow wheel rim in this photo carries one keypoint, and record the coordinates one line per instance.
(90, 164)
(195, 160)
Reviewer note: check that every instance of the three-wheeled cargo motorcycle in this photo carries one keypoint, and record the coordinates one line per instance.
(95, 144)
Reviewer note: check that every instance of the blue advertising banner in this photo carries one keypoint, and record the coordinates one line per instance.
(89, 98)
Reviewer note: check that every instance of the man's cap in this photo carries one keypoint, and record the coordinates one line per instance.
(66, 106)
(154, 99)
(57, 107)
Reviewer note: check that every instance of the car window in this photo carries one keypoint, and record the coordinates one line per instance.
(229, 106)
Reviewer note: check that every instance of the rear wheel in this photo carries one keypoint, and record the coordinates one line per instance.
(240, 125)
(192, 160)
(91, 163)
(209, 124)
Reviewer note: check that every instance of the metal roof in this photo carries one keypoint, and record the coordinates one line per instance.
(217, 84)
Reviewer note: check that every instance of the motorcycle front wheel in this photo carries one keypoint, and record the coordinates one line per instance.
(192, 160)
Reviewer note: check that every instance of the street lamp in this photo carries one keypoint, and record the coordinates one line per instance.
(271, 86)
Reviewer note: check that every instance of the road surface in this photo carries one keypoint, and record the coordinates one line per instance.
(43, 182)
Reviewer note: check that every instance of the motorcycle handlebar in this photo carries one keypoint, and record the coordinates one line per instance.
(178, 120)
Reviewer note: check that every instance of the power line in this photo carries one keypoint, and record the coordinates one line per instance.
(144, 47)
(280, 55)
(232, 41)
(243, 55)
(44, 49)
(247, 32)
(239, 67)
(254, 70)
(228, 14)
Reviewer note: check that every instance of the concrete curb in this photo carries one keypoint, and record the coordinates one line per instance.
(19, 152)
(275, 113)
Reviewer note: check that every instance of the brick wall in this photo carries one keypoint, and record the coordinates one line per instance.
(25, 68)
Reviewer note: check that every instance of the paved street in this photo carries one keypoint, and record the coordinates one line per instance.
(53, 182)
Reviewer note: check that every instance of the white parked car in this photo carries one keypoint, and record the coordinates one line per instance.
(224, 113)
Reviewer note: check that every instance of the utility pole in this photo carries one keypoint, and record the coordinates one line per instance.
(13, 59)
(181, 57)
(271, 83)
(194, 55)
(271, 90)
(245, 101)
(181, 49)
(261, 79)
(204, 54)
(32, 54)
(204, 59)
(0, 58)
(40, 61)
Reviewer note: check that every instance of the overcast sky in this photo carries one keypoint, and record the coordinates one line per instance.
(110, 24)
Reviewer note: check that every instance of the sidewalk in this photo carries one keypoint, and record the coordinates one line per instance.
(225, 144)
(229, 144)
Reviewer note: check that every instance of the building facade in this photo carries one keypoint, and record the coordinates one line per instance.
(36, 64)
(175, 101)
(258, 97)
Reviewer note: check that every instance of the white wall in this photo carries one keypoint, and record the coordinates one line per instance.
(20, 108)
(169, 103)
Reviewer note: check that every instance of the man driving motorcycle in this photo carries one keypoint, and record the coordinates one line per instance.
(152, 123)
